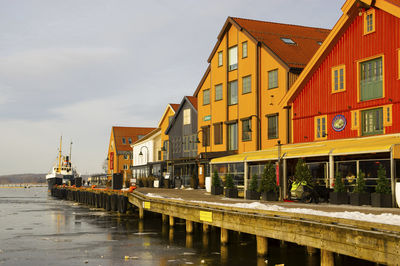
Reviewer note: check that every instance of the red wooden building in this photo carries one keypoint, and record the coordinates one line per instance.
(350, 89)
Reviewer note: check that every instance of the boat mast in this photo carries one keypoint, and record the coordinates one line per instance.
(59, 156)
(70, 151)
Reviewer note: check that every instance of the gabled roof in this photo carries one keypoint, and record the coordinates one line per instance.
(269, 34)
(128, 132)
(349, 9)
(148, 136)
(173, 107)
(192, 101)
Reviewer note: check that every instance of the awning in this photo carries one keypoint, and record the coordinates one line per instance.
(321, 148)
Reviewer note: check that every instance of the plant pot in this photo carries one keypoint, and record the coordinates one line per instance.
(231, 192)
(178, 183)
(359, 199)
(252, 195)
(381, 200)
(338, 198)
(217, 190)
(194, 183)
(269, 196)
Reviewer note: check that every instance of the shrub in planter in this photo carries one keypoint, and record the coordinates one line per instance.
(216, 188)
(178, 183)
(139, 182)
(268, 187)
(359, 196)
(303, 184)
(339, 194)
(252, 193)
(150, 181)
(166, 183)
(382, 196)
(230, 188)
(145, 182)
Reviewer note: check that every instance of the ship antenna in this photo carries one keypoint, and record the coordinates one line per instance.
(70, 151)
(59, 155)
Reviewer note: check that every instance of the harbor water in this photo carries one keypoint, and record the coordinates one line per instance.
(36, 229)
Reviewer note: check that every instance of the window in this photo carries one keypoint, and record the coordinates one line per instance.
(273, 79)
(387, 115)
(320, 127)
(218, 92)
(206, 97)
(273, 131)
(372, 122)
(369, 21)
(123, 141)
(206, 136)
(125, 167)
(288, 41)
(233, 58)
(159, 155)
(246, 129)
(371, 79)
(218, 133)
(232, 137)
(246, 84)
(244, 49)
(220, 58)
(338, 79)
(233, 92)
(130, 140)
(186, 117)
(126, 156)
(165, 150)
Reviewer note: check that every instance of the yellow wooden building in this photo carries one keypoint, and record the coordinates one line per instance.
(250, 69)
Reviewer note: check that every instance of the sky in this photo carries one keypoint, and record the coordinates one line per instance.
(76, 68)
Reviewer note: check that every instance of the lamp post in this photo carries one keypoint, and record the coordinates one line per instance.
(147, 153)
(170, 158)
(205, 144)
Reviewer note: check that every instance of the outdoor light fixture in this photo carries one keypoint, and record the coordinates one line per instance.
(140, 153)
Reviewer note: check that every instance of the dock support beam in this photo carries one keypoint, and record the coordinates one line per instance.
(311, 250)
(164, 218)
(262, 246)
(189, 227)
(327, 258)
(141, 213)
(224, 236)
(171, 221)
(206, 228)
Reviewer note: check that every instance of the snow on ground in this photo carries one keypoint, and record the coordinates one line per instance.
(384, 218)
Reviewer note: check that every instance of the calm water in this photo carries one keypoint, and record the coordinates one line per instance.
(36, 229)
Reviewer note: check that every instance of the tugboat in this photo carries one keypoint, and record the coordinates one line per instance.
(63, 172)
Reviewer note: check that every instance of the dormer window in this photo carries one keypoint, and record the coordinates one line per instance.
(288, 41)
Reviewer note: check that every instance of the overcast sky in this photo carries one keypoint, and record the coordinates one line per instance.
(76, 68)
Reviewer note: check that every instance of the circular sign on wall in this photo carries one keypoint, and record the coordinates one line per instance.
(339, 123)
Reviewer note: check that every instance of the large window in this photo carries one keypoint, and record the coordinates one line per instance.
(244, 49)
(186, 116)
(338, 79)
(371, 79)
(218, 133)
(233, 58)
(246, 129)
(273, 126)
(372, 121)
(218, 92)
(273, 79)
(206, 97)
(233, 92)
(232, 137)
(246, 84)
(220, 58)
(206, 136)
(320, 127)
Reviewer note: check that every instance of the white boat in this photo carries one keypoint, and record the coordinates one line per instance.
(63, 171)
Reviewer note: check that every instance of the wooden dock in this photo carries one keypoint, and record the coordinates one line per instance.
(370, 241)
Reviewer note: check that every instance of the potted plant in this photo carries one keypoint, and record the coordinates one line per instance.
(230, 188)
(194, 181)
(339, 193)
(359, 196)
(268, 187)
(216, 188)
(178, 182)
(150, 181)
(252, 192)
(140, 182)
(382, 196)
(145, 181)
(303, 184)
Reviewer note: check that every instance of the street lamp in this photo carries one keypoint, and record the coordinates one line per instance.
(141, 153)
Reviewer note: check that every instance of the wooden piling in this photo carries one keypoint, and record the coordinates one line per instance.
(327, 258)
(206, 228)
(171, 221)
(262, 246)
(164, 218)
(311, 250)
(189, 227)
(141, 213)
(224, 236)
